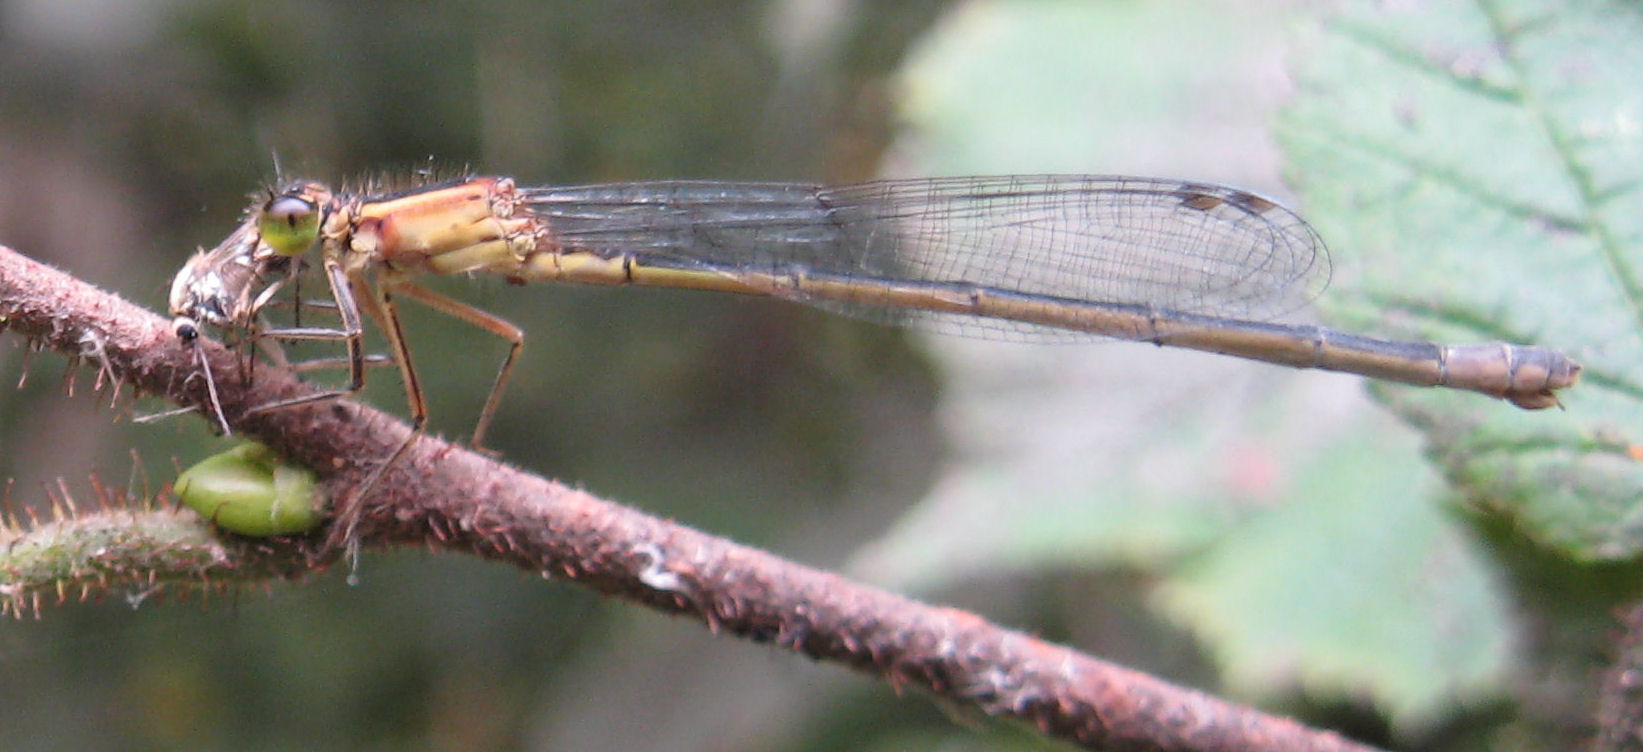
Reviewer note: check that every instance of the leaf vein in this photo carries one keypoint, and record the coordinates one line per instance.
(1590, 196)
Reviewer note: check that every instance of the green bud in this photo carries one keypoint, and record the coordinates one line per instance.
(249, 490)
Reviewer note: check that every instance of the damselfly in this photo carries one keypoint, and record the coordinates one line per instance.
(1184, 264)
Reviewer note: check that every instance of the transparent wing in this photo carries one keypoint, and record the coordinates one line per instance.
(1187, 247)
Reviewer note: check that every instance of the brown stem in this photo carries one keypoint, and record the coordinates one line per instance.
(443, 496)
(1620, 704)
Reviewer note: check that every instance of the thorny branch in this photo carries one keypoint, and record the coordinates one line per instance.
(445, 497)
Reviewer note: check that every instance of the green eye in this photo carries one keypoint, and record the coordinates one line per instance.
(289, 224)
(250, 491)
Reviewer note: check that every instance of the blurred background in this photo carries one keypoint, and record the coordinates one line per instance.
(1042, 486)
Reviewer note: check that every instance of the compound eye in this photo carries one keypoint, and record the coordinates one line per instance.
(289, 224)
(186, 330)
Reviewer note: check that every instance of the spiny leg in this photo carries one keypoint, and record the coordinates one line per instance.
(350, 331)
(386, 312)
(513, 335)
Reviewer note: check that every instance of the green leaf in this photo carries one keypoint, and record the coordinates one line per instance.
(1360, 586)
(1471, 168)
(1477, 167)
